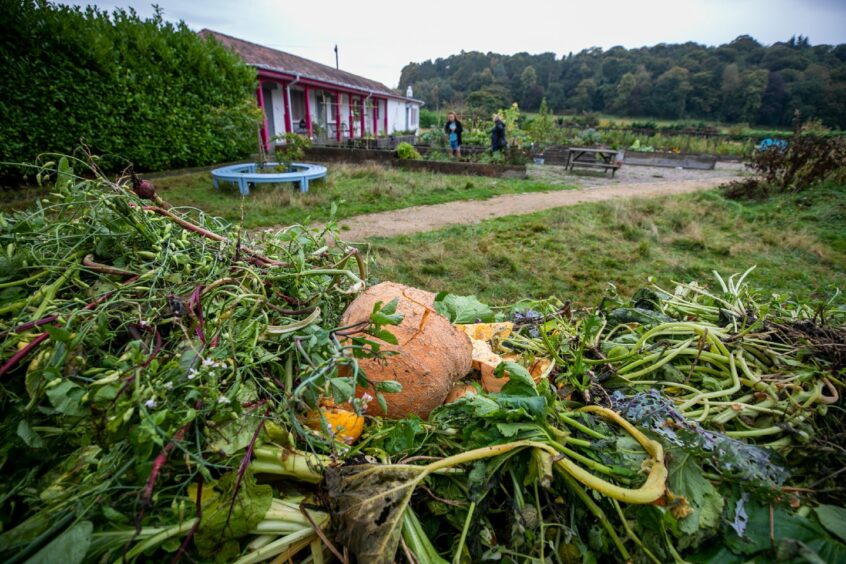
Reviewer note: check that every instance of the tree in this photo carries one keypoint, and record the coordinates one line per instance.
(773, 102)
(582, 98)
(670, 93)
(622, 102)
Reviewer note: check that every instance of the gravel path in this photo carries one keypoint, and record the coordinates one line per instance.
(630, 182)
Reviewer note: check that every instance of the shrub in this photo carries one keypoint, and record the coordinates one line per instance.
(293, 149)
(407, 151)
(430, 118)
(146, 91)
(808, 160)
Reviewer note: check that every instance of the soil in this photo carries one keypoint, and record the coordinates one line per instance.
(630, 182)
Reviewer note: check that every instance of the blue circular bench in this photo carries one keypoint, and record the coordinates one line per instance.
(245, 174)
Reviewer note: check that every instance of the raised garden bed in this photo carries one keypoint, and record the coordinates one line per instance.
(461, 168)
(670, 160)
(338, 154)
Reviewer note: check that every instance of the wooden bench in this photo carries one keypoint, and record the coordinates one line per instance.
(605, 159)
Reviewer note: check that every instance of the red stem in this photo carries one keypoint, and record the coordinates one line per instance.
(199, 514)
(245, 463)
(9, 364)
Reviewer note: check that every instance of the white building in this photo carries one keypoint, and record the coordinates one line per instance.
(303, 96)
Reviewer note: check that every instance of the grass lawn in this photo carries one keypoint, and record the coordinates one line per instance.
(357, 188)
(798, 243)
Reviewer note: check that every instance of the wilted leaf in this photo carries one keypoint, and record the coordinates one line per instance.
(706, 503)
(367, 504)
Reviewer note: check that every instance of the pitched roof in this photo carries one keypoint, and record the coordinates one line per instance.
(263, 57)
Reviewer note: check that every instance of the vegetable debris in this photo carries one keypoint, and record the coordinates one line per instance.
(174, 388)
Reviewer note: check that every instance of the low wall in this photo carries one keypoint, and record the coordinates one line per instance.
(323, 154)
(326, 154)
(469, 169)
(670, 160)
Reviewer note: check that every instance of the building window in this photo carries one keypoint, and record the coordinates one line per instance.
(413, 123)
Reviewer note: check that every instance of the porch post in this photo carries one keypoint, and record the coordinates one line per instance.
(307, 111)
(361, 112)
(352, 123)
(285, 96)
(386, 117)
(338, 116)
(260, 96)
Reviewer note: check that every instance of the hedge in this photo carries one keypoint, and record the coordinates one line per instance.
(134, 90)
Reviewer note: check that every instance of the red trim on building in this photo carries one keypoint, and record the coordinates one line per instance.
(307, 110)
(352, 123)
(264, 137)
(362, 109)
(265, 73)
(338, 116)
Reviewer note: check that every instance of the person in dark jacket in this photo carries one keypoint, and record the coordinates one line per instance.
(498, 142)
(453, 129)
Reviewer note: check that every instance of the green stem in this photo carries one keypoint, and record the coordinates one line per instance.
(457, 557)
(597, 512)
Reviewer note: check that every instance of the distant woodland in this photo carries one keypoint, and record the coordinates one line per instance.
(742, 81)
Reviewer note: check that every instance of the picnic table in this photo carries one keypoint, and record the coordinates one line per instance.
(606, 159)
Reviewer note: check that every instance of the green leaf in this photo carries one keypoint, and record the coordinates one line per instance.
(833, 518)
(786, 525)
(699, 494)
(520, 382)
(386, 315)
(29, 436)
(463, 309)
(384, 335)
(389, 386)
(220, 529)
(58, 334)
(68, 548)
(234, 435)
(66, 398)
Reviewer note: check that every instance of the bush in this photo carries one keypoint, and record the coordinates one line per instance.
(293, 150)
(145, 91)
(407, 151)
(430, 118)
(808, 160)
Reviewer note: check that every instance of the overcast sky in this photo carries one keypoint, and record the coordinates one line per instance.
(376, 38)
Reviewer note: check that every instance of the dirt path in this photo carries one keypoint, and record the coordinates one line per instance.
(430, 218)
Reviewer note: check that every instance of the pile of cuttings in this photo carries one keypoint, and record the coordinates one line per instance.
(172, 388)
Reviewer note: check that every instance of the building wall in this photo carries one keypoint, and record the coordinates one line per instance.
(403, 115)
(277, 103)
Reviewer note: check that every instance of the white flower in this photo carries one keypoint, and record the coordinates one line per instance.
(169, 385)
(366, 398)
(209, 362)
(224, 400)
(193, 373)
(150, 403)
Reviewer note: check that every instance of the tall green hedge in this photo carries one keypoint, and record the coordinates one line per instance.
(147, 92)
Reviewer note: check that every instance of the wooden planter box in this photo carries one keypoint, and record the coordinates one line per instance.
(469, 169)
(670, 160)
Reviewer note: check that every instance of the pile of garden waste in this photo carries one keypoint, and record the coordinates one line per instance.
(174, 388)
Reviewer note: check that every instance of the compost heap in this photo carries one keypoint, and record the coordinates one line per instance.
(174, 389)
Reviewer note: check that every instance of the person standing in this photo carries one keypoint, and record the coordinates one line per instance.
(498, 142)
(453, 129)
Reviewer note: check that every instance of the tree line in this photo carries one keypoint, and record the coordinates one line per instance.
(741, 81)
